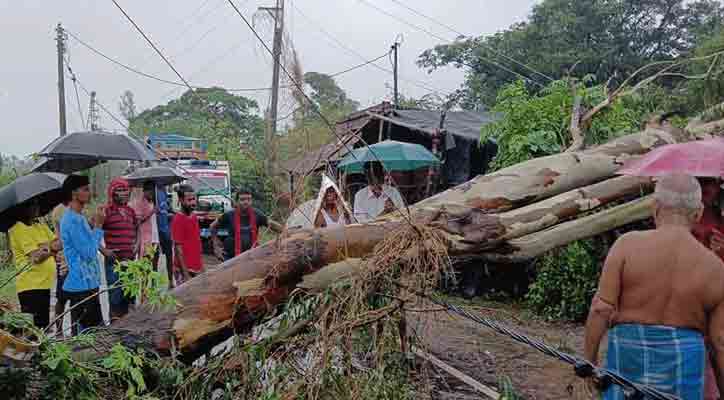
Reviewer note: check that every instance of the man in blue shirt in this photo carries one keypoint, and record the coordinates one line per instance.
(81, 245)
(164, 232)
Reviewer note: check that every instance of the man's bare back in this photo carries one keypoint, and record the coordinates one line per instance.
(660, 293)
(667, 278)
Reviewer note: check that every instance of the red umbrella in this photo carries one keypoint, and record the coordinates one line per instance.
(703, 158)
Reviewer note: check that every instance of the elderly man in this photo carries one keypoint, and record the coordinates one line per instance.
(659, 293)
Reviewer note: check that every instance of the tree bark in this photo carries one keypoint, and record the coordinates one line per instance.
(234, 295)
(541, 178)
(536, 244)
(577, 137)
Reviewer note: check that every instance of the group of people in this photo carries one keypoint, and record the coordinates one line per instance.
(330, 209)
(134, 223)
(125, 228)
(137, 223)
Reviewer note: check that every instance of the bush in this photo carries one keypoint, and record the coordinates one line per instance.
(566, 281)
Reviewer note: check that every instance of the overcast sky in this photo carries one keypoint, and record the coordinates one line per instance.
(209, 44)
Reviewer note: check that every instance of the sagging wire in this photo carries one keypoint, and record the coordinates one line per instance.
(583, 368)
(316, 109)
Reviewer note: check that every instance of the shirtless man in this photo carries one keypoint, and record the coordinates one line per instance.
(659, 292)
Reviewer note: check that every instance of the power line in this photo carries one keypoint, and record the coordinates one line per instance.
(436, 36)
(120, 64)
(616, 378)
(194, 18)
(312, 104)
(175, 83)
(350, 50)
(75, 86)
(358, 66)
(457, 32)
(150, 42)
(140, 138)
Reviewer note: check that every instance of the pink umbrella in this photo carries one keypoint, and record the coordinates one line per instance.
(703, 158)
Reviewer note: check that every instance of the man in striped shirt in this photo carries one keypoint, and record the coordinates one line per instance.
(120, 231)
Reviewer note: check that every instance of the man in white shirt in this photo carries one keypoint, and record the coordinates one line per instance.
(377, 198)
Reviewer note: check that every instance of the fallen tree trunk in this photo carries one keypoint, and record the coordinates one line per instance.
(538, 216)
(536, 244)
(541, 178)
(233, 296)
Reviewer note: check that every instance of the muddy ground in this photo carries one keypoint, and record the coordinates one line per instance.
(495, 360)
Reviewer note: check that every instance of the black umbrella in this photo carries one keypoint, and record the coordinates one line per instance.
(97, 145)
(160, 175)
(48, 188)
(64, 165)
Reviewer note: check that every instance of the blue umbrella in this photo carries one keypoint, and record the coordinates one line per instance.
(394, 155)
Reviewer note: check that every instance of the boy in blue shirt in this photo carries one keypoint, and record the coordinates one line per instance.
(81, 245)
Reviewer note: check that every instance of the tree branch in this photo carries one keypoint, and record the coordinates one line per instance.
(577, 134)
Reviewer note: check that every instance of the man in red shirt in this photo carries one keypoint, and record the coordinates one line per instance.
(186, 235)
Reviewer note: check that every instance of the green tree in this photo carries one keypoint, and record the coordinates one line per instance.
(310, 131)
(327, 94)
(700, 94)
(606, 39)
(209, 113)
(231, 125)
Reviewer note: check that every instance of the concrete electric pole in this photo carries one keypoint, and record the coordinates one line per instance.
(60, 39)
(93, 116)
(277, 13)
(394, 75)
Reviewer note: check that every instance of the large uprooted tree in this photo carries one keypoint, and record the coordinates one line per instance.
(514, 214)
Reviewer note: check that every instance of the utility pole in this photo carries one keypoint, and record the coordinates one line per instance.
(99, 172)
(93, 116)
(394, 70)
(60, 39)
(277, 14)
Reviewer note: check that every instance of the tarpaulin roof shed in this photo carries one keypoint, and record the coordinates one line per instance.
(463, 124)
(457, 123)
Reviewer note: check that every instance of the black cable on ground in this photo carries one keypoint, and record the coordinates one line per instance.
(583, 368)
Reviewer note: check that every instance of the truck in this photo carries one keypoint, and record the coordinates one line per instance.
(211, 179)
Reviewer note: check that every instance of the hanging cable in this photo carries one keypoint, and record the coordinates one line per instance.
(316, 109)
(352, 51)
(150, 42)
(462, 35)
(77, 97)
(175, 83)
(578, 362)
(436, 36)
